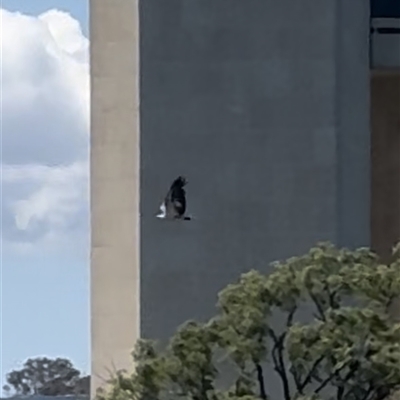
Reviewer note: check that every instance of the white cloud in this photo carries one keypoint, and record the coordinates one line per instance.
(58, 194)
(45, 126)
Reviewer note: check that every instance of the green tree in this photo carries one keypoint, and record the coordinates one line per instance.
(349, 349)
(47, 377)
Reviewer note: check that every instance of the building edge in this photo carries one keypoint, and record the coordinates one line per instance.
(114, 186)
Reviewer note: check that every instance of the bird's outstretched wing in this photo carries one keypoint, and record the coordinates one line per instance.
(174, 205)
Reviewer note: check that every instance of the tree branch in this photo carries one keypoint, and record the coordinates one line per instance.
(290, 317)
(340, 393)
(260, 374)
(310, 374)
(277, 356)
(331, 297)
(296, 379)
(204, 388)
(368, 392)
(328, 379)
(277, 353)
(353, 368)
(382, 392)
(260, 378)
(320, 310)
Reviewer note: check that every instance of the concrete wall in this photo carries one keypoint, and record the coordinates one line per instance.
(352, 123)
(263, 106)
(385, 47)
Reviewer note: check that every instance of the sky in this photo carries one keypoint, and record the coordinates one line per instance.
(44, 181)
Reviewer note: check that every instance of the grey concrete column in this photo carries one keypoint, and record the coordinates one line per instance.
(114, 185)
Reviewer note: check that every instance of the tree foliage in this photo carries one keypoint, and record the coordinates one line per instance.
(48, 377)
(348, 350)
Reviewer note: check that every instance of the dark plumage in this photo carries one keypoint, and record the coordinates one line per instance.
(174, 204)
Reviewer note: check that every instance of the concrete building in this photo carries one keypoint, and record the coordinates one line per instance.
(270, 109)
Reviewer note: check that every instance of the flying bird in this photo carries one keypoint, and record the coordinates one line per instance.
(174, 204)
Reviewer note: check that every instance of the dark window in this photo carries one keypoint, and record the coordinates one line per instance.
(385, 8)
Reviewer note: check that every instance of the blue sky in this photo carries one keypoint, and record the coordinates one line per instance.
(44, 132)
(78, 8)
